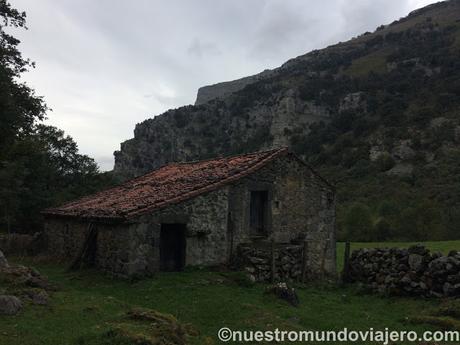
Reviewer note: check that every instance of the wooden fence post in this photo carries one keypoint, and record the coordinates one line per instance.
(346, 263)
(304, 260)
(273, 268)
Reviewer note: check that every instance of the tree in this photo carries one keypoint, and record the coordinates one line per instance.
(19, 107)
(47, 170)
(39, 165)
(358, 223)
(19, 110)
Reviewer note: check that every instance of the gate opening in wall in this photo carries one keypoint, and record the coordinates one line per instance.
(172, 247)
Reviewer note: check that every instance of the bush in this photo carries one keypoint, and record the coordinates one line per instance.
(358, 223)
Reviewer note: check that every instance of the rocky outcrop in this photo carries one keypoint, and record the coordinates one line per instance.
(221, 90)
(18, 275)
(236, 124)
(413, 272)
(22, 285)
(353, 101)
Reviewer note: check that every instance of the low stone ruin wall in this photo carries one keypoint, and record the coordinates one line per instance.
(257, 262)
(413, 272)
(21, 244)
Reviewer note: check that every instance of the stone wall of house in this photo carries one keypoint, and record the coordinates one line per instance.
(301, 207)
(130, 249)
(122, 249)
(125, 249)
(413, 271)
(64, 237)
(206, 217)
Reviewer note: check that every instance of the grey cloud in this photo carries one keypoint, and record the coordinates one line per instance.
(105, 65)
(201, 49)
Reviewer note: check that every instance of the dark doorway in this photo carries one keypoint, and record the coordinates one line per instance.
(172, 247)
(258, 212)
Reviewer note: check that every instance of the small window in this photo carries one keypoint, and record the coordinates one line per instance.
(258, 212)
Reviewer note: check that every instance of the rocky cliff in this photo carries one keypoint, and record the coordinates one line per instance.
(221, 90)
(216, 128)
(378, 114)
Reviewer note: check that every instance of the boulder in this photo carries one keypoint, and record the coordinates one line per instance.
(10, 305)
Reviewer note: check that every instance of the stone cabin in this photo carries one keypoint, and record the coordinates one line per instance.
(198, 213)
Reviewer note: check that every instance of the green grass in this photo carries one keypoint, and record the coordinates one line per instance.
(89, 304)
(375, 62)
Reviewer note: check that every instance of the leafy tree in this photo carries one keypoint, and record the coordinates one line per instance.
(358, 223)
(19, 107)
(383, 230)
(39, 165)
(47, 170)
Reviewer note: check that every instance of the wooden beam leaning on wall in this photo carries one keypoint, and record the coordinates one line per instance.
(87, 252)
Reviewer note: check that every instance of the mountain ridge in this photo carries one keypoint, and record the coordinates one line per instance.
(381, 109)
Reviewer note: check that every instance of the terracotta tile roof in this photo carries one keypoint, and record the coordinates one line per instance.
(167, 185)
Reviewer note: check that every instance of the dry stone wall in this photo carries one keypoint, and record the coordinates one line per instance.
(257, 262)
(21, 244)
(414, 271)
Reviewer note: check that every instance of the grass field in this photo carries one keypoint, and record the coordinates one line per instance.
(88, 305)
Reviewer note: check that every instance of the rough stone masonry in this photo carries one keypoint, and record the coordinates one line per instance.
(198, 214)
(414, 271)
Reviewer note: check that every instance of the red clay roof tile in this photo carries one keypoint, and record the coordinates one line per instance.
(167, 185)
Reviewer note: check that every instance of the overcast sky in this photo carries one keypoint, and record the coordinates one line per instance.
(105, 65)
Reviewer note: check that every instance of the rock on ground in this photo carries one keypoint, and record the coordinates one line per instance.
(3, 261)
(38, 296)
(10, 305)
(283, 291)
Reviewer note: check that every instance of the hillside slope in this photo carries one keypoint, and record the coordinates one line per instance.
(379, 115)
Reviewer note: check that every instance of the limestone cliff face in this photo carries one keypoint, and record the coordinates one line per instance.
(221, 90)
(378, 113)
(254, 113)
(219, 127)
(326, 105)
